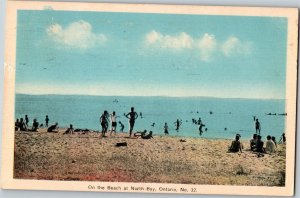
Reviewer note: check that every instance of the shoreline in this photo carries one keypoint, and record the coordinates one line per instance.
(162, 159)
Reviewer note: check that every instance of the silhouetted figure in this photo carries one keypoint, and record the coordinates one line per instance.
(282, 138)
(166, 131)
(104, 123)
(153, 124)
(254, 118)
(257, 127)
(22, 125)
(199, 121)
(46, 121)
(26, 120)
(236, 145)
(259, 145)
(141, 115)
(132, 116)
(35, 126)
(253, 142)
(53, 128)
(122, 126)
(70, 130)
(177, 124)
(200, 128)
(210, 112)
(17, 124)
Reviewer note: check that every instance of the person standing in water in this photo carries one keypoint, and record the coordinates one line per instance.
(177, 124)
(166, 131)
(132, 116)
(46, 121)
(257, 127)
(26, 120)
(122, 126)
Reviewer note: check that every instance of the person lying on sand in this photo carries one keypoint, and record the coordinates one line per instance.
(236, 145)
(143, 134)
(53, 128)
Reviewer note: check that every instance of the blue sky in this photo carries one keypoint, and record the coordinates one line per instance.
(100, 53)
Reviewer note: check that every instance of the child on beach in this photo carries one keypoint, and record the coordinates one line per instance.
(122, 126)
(236, 145)
(132, 116)
(166, 129)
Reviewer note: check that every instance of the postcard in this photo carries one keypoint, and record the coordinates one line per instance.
(150, 98)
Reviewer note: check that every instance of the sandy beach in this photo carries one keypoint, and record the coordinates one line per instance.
(163, 159)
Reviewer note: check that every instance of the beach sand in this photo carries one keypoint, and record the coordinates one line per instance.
(163, 159)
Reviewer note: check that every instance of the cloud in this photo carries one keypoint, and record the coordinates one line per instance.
(206, 45)
(233, 46)
(177, 42)
(78, 34)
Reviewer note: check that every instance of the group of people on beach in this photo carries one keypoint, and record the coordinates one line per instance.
(22, 124)
(257, 145)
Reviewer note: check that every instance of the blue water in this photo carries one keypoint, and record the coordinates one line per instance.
(234, 114)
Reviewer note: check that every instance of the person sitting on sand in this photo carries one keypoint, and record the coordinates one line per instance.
(166, 129)
(122, 126)
(259, 145)
(236, 145)
(22, 125)
(70, 130)
(270, 145)
(17, 124)
(274, 140)
(282, 138)
(53, 128)
(35, 126)
(253, 142)
(132, 116)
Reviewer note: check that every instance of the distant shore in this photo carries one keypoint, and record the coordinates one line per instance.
(162, 159)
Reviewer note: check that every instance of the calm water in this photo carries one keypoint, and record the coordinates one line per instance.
(234, 114)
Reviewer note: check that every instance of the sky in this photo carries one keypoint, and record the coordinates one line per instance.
(132, 54)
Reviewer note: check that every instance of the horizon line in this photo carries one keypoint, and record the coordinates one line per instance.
(165, 96)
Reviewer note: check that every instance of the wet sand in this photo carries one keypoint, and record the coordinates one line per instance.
(163, 159)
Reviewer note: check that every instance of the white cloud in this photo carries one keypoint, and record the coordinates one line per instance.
(233, 46)
(206, 45)
(177, 42)
(78, 34)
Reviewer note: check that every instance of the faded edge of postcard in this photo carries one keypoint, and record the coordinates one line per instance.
(10, 181)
